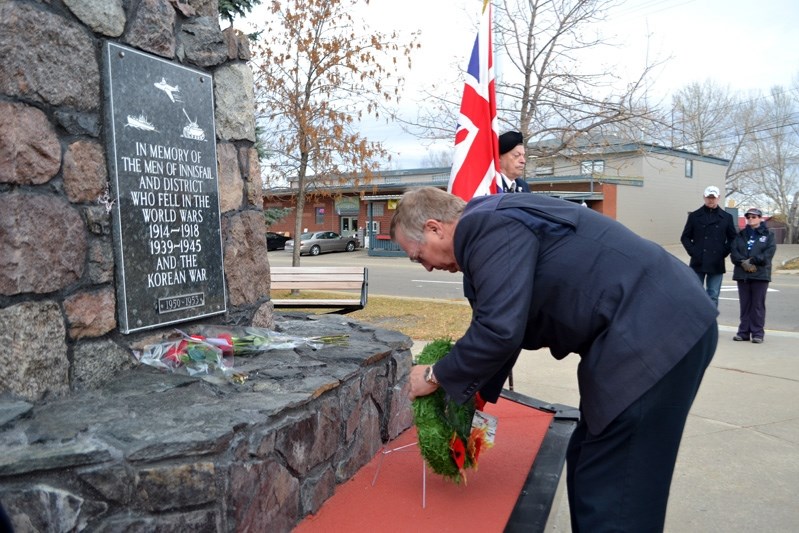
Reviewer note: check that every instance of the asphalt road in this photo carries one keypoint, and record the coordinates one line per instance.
(388, 276)
(397, 276)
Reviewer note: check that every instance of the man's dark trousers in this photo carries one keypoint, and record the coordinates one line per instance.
(619, 479)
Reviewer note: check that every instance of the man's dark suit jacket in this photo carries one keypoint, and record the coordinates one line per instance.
(543, 272)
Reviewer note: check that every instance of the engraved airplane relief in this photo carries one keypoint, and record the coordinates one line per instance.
(170, 90)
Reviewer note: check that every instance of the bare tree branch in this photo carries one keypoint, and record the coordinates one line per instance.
(546, 91)
(318, 73)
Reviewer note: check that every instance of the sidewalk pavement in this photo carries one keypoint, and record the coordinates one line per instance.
(738, 468)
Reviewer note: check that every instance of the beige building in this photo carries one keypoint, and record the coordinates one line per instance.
(648, 188)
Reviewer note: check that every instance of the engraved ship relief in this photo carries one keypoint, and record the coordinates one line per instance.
(140, 122)
(192, 130)
(170, 90)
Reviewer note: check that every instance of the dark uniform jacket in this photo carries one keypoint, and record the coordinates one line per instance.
(542, 272)
(763, 249)
(517, 185)
(707, 237)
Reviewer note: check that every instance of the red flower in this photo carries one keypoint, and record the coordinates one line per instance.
(174, 353)
(223, 341)
(479, 402)
(475, 444)
(457, 450)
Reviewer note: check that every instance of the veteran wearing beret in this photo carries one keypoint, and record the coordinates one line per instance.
(511, 162)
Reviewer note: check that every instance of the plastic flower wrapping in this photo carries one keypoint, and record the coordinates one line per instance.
(213, 348)
(450, 435)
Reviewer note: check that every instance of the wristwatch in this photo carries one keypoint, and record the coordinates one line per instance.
(429, 376)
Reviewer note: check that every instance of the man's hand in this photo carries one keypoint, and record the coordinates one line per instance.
(747, 265)
(419, 386)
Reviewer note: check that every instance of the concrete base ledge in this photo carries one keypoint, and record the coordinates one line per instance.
(155, 451)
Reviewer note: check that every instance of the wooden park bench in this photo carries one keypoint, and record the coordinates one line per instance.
(322, 279)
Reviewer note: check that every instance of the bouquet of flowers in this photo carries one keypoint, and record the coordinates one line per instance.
(193, 354)
(213, 348)
(450, 435)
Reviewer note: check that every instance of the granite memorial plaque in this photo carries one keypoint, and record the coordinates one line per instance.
(161, 145)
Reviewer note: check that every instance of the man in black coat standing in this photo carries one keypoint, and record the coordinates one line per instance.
(707, 237)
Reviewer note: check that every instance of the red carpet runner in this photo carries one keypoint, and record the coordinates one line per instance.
(394, 503)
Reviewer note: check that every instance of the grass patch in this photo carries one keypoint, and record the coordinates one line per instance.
(416, 318)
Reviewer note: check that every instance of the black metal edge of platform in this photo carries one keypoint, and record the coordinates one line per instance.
(534, 505)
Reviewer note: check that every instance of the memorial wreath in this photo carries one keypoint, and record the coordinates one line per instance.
(448, 441)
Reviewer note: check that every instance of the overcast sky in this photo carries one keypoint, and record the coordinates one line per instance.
(750, 46)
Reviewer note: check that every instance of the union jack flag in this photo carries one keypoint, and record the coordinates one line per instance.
(475, 166)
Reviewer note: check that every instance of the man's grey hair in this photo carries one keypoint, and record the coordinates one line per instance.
(419, 205)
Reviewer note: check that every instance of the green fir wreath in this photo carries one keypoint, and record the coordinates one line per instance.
(444, 426)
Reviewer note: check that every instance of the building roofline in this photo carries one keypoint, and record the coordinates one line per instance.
(622, 147)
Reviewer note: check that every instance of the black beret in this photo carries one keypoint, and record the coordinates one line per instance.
(509, 140)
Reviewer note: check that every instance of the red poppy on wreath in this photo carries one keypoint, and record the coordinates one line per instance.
(475, 444)
(458, 452)
(479, 402)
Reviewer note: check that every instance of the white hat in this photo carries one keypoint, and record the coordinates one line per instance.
(712, 191)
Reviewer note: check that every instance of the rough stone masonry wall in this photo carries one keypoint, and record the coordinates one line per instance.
(58, 321)
(88, 440)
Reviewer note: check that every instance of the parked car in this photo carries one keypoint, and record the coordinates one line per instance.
(319, 242)
(275, 241)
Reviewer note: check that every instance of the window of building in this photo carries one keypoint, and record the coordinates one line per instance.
(596, 166)
(689, 168)
(320, 215)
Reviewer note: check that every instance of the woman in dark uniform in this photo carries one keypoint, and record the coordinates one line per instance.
(752, 252)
